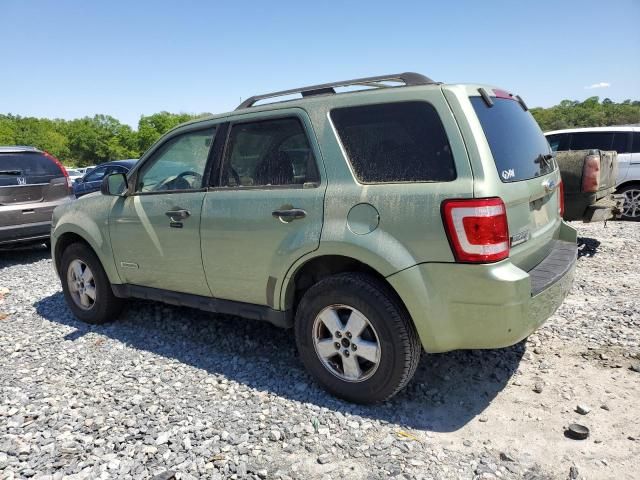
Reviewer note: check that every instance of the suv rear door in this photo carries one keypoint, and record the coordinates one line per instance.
(517, 166)
(264, 209)
(31, 184)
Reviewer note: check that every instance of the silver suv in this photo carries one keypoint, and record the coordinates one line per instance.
(32, 184)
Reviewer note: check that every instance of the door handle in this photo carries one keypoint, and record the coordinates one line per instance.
(289, 215)
(178, 214)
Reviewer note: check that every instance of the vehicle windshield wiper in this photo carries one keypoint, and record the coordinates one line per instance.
(10, 172)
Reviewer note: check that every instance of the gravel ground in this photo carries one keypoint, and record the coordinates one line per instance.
(170, 392)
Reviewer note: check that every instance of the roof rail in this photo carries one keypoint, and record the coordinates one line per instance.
(408, 78)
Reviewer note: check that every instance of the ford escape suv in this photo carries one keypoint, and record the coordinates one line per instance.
(408, 214)
(32, 184)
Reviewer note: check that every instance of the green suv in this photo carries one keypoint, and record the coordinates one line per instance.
(376, 216)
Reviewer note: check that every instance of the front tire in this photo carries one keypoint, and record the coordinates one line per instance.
(356, 338)
(86, 287)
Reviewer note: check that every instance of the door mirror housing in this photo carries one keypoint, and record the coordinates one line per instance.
(114, 184)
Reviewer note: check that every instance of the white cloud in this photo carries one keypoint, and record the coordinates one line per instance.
(598, 85)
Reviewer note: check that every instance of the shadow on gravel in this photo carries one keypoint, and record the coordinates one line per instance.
(587, 247)
(23, 255)
(448, 390)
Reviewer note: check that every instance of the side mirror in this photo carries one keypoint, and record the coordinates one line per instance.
(114, 184)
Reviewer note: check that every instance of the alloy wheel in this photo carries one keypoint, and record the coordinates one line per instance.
(81, 283)
(346, 343)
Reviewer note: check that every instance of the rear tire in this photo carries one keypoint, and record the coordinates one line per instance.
(86, 287)
(631, 209)
(356, 338)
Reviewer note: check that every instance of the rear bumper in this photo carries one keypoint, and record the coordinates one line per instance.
(592, 207)
(460, 306)
(27, 222)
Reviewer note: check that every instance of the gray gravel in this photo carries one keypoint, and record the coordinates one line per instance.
(176, 393)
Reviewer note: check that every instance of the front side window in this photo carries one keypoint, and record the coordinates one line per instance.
(269, 153)
(636, 143)
(96, 175)
(179, 164)
(395, 142)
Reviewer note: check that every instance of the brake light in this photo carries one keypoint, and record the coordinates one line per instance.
(561, 198)
(477, 229)
(61, 167)
(591, 174)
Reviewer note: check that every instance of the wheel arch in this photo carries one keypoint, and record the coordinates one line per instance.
(627, 183)
(65, 235)
(318, 267)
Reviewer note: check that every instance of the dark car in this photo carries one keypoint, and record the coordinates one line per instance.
(91, 181)
(32, 184)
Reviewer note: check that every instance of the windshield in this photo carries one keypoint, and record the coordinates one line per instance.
(519, 148)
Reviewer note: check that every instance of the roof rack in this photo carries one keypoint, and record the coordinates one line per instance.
(408, 78)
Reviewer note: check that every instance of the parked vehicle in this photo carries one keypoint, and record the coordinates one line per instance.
(589, 181)
(411, 213)
(93, 179)
(624, 140)
(32, 184)
(74, 174)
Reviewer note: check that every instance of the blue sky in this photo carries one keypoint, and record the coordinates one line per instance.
(72, 58)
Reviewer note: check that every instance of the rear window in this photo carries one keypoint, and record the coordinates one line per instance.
(28, 165)
(395, 142)
(516, 141)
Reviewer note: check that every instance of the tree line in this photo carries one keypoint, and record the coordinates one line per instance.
(89, 140)
(97, 139)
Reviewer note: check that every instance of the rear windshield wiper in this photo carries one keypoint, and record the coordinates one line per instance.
(10, 172)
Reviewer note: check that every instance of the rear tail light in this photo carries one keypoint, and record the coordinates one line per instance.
(62, 169)
(591, 174)
(561, 198)
(477, 229)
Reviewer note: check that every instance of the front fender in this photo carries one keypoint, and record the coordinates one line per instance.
(89, 219)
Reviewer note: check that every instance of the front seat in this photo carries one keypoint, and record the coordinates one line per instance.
(276, 169)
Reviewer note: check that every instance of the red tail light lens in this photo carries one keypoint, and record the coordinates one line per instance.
(477, 229)
(591, 173)
(561, 198)
(62, 169)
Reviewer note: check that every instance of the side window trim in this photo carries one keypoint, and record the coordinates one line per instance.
(216, 182)
(134, 174)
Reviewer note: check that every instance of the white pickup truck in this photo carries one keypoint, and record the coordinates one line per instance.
(624, 140)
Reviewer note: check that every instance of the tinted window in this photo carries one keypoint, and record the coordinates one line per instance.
(516, 141)
(558, 141)
(621, 142)
(28, 165)
(636, 142)
(96, 175)
(591, 140)
(269, 152)
(179, 164)
(395, 142)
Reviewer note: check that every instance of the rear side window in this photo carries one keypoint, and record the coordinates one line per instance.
(591, 140)
(519, 148)
(28, 165)
(395, 142)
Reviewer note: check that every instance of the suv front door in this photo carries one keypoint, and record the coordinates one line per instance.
(265, 207)
(155, 229)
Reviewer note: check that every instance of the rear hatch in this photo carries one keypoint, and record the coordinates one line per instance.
(525, 177)
(27, 180)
